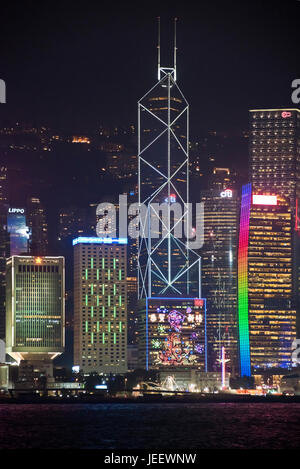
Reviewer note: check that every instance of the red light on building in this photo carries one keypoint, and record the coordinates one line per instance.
(286, 114)
(259, 199)
(198, 302)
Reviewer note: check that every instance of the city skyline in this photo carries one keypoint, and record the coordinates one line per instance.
(150, 240)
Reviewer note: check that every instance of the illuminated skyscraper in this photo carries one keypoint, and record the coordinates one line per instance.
(35, 307)
(267, 317)
(163, 179)
(3, 185)
(100, 305)
(4, 244)
(168, 270)
(4, 254)
(18, 231)
(274, 145)
(219, 269)
(36, 219)
(274, 152)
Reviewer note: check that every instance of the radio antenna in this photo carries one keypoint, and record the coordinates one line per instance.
(158, 49)
(175, 46)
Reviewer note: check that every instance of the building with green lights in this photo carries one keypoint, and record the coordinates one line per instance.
(100, 305)
(35, 307)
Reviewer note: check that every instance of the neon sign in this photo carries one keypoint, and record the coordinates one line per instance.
(171, 199)
(226, 193)
(95, 240)
(16, 210)
(264, 199)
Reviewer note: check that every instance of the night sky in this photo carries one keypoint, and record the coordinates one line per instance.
(74, 65)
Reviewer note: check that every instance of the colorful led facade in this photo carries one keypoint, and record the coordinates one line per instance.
(176, 333)
(35, 307)
(100, 305)
(267, 315)
(243, 321)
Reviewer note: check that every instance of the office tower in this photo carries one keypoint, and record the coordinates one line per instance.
(36, 219)
(100, 305)
(4, 244)
(72, 222)
(132, 310)
(163, 187)
(274, 145)
(221, 179)
(3, 185)
(4, 254)
(35, 307)
(267, 317)
(168, 270)
(121, 164)
(18, 231)
(274, 152)
(219, 268)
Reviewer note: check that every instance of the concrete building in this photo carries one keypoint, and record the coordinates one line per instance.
(100, 305)
(35, 308)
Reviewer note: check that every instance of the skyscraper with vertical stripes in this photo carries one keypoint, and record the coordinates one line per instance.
(35, 307)
(266, 311)
(100, 305)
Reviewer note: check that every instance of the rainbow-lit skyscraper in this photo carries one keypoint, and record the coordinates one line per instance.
(266, 312)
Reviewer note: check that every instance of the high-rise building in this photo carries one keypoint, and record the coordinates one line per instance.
(72, 222)
(274, 145)
(274, 152)
(35, 311)
(132, 310)
(4, 244)
(36, 219)
(4, 254)
(100, 304)
(18, 230)
(168, 269)
(219, 269)
(3, 185)
(266, 312)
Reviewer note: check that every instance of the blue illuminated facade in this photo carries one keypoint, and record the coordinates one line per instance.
(18, 231)
(96, 240)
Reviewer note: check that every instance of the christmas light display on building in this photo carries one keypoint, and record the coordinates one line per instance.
(176, 332)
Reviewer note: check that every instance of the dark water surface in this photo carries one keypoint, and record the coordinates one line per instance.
(150, 426)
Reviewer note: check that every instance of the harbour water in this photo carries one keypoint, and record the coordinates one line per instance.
(150, 426)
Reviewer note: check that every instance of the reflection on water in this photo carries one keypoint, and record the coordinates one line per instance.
(149, 426)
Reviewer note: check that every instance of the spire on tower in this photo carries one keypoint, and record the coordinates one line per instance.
(162, 71)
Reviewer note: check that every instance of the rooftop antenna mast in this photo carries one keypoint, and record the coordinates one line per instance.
(158, 49)
(162, 71)
(175, 46)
